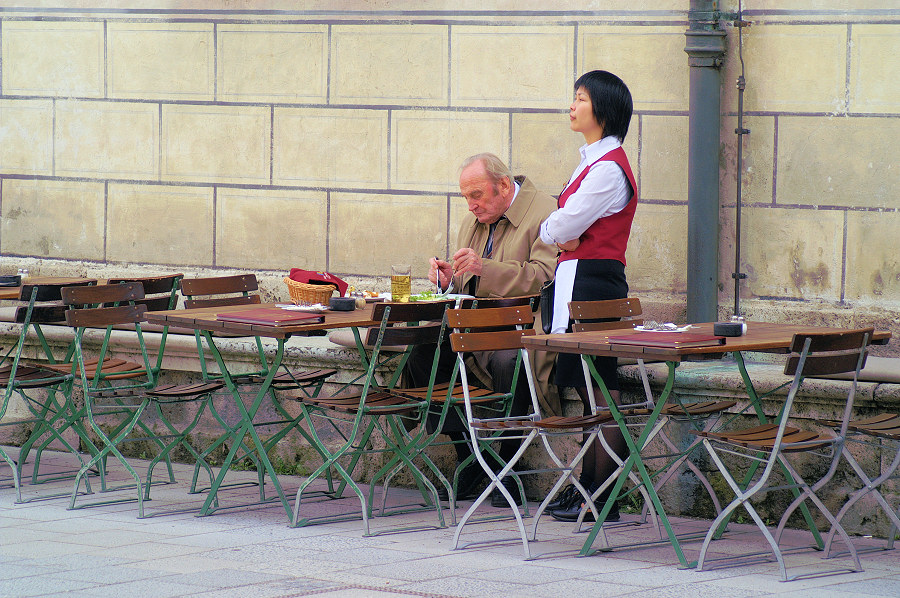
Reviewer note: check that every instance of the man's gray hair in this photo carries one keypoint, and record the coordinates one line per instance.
(496, 169)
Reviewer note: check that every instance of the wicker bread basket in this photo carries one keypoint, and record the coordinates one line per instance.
(309, 294)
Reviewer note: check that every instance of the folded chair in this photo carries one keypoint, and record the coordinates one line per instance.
(242, 289)
(702, 415)
(374, 420)
(776, 445)
(498, 329)
(46, 393)
(116, 398)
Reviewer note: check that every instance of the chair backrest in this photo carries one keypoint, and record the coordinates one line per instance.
(104, 305)
(828, 352)
(160, 292)
(610, 314)
(391, 314)
(240, 290)
(821, 353)
(490, 329)
(50, 295)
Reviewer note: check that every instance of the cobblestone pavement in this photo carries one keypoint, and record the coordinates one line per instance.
(250, 551)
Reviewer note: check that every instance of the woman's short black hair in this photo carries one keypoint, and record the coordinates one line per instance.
(611, 101)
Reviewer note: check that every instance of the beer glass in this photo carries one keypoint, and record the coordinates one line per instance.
(401, 282)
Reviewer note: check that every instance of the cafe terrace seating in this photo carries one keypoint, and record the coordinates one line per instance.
(772, 446)
(879, 432)
(449, 397)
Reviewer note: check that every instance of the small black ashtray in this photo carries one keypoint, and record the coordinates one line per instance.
(10, 280)
(729, 328)
(342, 304)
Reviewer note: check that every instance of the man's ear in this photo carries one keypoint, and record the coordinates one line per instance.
(504, 185)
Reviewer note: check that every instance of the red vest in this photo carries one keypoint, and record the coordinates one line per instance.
(607, 237)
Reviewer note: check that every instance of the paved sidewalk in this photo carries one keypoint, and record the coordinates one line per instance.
(47, 550)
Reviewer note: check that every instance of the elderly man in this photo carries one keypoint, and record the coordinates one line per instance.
(500, 255)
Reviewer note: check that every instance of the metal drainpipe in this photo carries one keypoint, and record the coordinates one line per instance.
(705, 49)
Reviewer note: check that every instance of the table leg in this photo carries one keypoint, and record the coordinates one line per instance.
(246, 427)
(634, 461)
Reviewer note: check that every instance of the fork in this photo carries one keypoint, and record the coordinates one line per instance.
(449, 286)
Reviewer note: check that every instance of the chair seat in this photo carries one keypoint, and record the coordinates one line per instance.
(114, 368)
(763, 438)
(185, 390)
(384, 403)
(697, 409)
(28, 376)
(885, 425)
(502, 424)
(574, 423)
(344, 337)
(477, 394)
(284, 380)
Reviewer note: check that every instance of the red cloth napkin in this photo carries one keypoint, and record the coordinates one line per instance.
(314, 277)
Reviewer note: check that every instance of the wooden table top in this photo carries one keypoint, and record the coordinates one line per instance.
(205, 319)
(12, 293)
(761, 336)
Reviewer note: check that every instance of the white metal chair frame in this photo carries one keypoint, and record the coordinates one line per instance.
(525, 429)
(770, 444)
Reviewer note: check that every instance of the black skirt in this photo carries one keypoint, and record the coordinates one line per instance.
(595, 280)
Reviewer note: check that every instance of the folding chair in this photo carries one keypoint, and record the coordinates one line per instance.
(376, 411)
(498, 329)
(701, 416)
(242, 289)
(879, 432)
(774, 445)
(445, 398)
(46, 393)
(123, 393)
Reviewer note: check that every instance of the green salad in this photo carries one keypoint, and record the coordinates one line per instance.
(426, 296)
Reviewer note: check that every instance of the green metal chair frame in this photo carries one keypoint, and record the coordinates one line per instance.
(160, 293)
(376, 408)
(46, 393)
(127, 391)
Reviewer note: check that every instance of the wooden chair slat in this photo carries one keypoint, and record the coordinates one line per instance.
(219, 285)
(488, 341)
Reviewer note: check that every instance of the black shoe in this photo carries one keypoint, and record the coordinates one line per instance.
(497, 498)
(571, 513)
(470, 480)
(565, 498)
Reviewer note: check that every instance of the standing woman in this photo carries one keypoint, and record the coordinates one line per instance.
(591, 229)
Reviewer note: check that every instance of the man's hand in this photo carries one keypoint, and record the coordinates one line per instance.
(440, 270)
(467, 260)
(569, 245)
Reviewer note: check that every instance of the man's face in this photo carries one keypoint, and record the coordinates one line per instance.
(487, 200)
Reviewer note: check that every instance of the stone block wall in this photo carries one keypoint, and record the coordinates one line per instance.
(262, 136)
